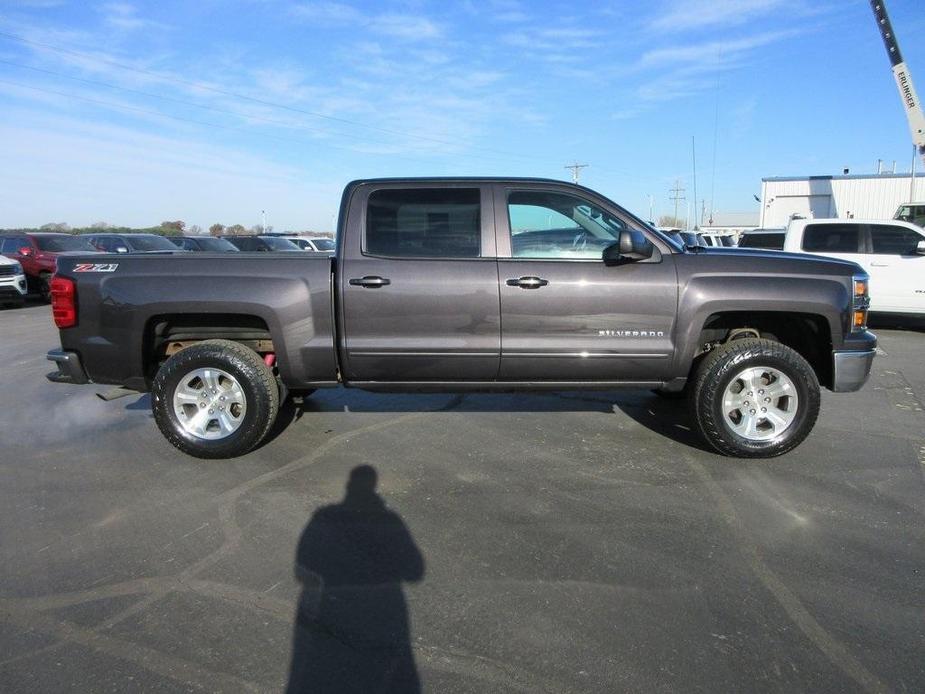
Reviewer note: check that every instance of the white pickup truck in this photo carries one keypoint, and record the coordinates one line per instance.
(892, 252)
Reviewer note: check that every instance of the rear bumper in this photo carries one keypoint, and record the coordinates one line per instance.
(70, 370)
(851, 370)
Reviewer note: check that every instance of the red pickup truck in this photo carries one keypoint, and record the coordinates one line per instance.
(38, 254)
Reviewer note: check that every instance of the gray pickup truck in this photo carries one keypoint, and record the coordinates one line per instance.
(469, 284)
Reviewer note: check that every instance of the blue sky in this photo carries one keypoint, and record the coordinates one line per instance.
(211, 111)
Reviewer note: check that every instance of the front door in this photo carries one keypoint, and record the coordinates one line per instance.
(565, 315)
(419, 285)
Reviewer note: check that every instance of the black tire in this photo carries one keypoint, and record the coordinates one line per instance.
(44, 286)
(255, 379)
(717, 371)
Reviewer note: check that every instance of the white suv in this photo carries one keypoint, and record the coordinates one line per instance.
(12, 282)
(891, 252)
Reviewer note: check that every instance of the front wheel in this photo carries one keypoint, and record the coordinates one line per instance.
(755, 398)
(215, 399)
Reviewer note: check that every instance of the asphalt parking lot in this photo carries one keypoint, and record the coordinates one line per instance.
(569, 542)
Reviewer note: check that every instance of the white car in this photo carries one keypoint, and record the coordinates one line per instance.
(316, 245)
(891, 252)
(12, 282)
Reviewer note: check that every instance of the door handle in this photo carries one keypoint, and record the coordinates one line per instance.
(880, 265)
(370, 282)
(527, 282)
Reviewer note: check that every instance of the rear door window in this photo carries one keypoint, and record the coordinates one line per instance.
(424, 223)
(773, 241)
(832, 238)
(887, 239)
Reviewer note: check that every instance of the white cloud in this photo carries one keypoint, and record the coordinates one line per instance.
(406, 26)
(123, 16)
(327, 12)
(684, 15)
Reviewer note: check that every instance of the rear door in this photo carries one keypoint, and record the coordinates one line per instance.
(418, 283)
(897, 272)
(565, 315)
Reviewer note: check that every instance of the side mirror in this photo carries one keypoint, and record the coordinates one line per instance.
(631, 245)
(121, 249)
(920, 248)
(26, 252)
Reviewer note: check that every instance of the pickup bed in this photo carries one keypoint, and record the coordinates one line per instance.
(469, 284)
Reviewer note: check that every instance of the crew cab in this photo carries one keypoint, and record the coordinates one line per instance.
(891, 252)
(469, 284)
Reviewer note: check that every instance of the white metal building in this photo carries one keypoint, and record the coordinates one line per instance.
(866, 196)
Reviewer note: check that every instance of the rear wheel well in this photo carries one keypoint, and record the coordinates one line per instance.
(806, 333)
(165, 335)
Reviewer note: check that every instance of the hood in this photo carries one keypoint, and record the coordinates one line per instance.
(751, 261)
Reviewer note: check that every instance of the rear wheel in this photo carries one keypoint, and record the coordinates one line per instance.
(215, 399)
(755, 398)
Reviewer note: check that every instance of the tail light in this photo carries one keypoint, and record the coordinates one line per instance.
(860, 303)
(63, 302)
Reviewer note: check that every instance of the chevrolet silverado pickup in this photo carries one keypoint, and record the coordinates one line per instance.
(469, 284)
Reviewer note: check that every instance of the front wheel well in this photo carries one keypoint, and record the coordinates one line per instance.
(165, 335)
(808, 334)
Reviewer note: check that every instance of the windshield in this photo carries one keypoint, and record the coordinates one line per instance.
(277, 244)
(148, 242)
(218, 245)
(324, 244)
(59, 244)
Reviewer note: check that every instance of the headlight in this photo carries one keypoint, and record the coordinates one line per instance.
(17, 269)
(860, 302)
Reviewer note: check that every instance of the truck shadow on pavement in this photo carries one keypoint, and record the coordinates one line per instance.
(352, 631)
(667, 418)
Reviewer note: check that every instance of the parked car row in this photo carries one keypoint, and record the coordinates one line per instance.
(36, 253)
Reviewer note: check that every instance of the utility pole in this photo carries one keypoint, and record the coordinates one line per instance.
(263, 215)
(576, 170)
(703, 209)
(676, 195)
(694, 165)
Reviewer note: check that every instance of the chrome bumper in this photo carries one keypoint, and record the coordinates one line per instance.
(851, 370)
(70, 370)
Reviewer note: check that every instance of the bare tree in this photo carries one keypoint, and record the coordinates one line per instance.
(195, 230)
(217, 229)
(56, 226)
(236, 230)
(666, 220)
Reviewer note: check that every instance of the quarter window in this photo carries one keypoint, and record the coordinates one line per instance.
(832, 238)
(887, 239)
(424, 223)
(557, 225)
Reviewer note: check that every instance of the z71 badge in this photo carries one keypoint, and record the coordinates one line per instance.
(96, 267)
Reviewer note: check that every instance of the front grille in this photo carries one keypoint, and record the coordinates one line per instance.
(7, 270)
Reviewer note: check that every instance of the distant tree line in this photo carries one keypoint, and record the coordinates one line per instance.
(166, 228)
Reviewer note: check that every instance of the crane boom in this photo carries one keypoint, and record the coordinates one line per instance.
(903, 79)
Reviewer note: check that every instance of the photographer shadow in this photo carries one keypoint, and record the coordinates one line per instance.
(352, 631)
